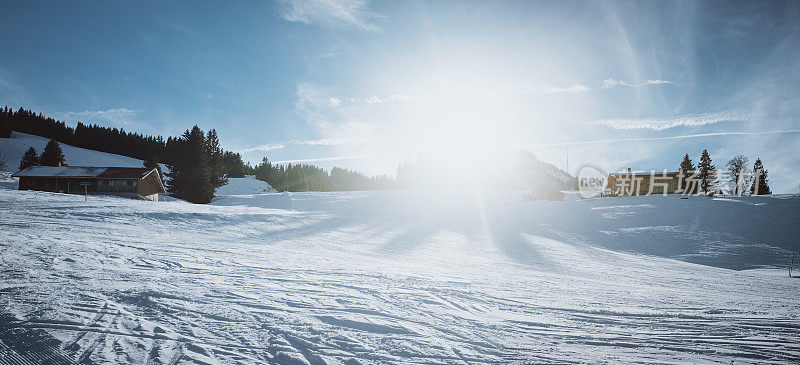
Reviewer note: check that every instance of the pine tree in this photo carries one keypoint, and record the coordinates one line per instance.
(706, 173)
(190, 174)
(215, 160)
(234, 166)
(152, 163)
(5, 123)
(687, 168)
(686, 164)
(760, 185)
(52, 154)
(30, 158)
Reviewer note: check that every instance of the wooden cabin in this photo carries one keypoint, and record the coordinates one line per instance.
(133, 182)
(643, 183)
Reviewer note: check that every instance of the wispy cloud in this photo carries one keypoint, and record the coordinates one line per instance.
(309, 142)
(642, 139)
(657, 124)
(605, 84)
(609, 83)
(340, 158)
(326, 142)
(10, 89)
(330, 13)
(382, 99)
(321, 159)
(181, 28)
(116, 116)
(265, 147)
(315, 103)
(577, 88)
(375, 99)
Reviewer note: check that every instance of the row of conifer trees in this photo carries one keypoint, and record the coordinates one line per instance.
(303, 177)
(742, 180)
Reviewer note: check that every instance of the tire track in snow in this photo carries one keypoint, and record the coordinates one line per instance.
(71, 345)
(101, 337)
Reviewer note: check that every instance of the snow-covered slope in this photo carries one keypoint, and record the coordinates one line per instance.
(398, 277)
(14, 147)
(247, 185)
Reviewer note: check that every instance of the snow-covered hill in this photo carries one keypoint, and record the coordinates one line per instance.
(398, 277)
(14, 147)
(247, 185)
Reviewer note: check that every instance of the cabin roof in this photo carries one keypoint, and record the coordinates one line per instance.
(648, 173)
(84, 172)
(124, 173)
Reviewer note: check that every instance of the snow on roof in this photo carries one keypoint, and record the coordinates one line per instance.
(84, 172)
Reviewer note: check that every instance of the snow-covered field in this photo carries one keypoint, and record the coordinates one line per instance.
(397, 277)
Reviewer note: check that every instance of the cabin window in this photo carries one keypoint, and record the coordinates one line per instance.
(130, 182)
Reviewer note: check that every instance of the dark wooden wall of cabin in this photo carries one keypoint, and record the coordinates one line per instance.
(57, 185)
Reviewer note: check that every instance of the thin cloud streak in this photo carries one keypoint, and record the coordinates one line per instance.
(662, 124)
(330, 13)
(321, 159)
(571, 89)
(339, 158)
(609, 83)
(310, 142)
(699, 135)
(265, 147)
(605, 84)
(326, 142)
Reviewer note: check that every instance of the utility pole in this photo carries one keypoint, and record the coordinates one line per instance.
(85, 191)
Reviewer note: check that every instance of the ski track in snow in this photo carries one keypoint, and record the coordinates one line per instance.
(396, 277)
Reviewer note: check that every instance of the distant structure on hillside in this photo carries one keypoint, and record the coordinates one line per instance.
(643, 183)
(133, 182)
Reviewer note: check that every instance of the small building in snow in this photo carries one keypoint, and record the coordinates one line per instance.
(643, 183)
(133, 182)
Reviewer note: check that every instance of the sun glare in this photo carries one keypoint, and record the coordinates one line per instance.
(457, 124)
(461, 123)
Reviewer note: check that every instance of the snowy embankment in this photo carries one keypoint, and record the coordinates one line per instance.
(14, 147)
(248, 186)
(399, 277)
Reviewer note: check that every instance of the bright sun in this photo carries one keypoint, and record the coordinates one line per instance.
(462, 119)
(463, 123)
(459, 124)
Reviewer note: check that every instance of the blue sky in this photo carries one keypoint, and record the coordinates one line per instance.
(368, 84)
